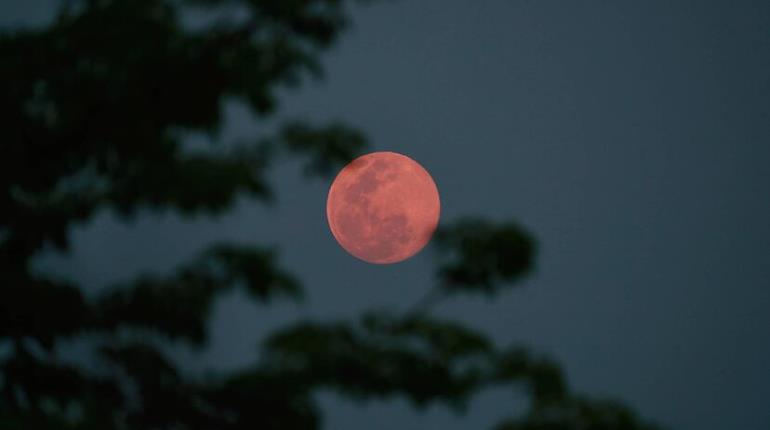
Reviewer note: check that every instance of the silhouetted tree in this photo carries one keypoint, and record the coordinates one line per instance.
(94, 108)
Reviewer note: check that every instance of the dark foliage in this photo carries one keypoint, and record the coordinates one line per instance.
(93, 108)
(483, 256)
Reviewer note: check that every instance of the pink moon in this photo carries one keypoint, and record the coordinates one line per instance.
(383, 207)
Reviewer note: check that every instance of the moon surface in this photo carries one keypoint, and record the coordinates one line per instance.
(383, 207)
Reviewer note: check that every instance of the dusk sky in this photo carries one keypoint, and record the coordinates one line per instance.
(631, 138)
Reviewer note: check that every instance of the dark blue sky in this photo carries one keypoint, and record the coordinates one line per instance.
(632, 138)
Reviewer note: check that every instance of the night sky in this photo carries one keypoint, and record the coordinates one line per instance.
(632, 138)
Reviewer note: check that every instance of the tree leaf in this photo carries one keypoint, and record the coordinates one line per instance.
(477, 255)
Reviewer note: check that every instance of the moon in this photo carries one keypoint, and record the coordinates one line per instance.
(383, 207)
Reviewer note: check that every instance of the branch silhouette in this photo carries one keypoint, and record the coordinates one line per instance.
(94, 107)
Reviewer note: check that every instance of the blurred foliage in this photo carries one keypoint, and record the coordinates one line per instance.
(482, 256)
(94, 108)
(326, 147)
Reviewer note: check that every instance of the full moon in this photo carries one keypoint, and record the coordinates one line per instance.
(383, 207)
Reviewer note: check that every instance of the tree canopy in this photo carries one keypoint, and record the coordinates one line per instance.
(95, 108)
